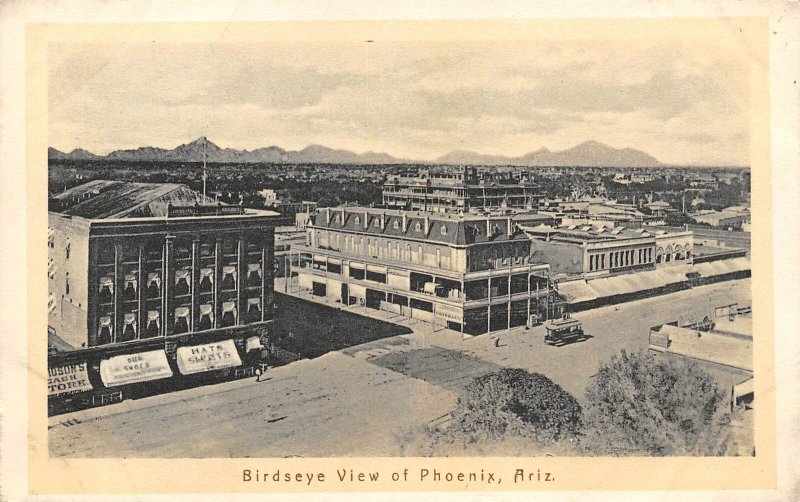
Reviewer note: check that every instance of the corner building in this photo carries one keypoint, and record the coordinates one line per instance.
(152, 273)
(468, 272)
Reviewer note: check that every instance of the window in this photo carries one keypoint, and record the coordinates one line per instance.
(206, 280)
(106, 289)
(131, 287)
(229, 277)
(153, 324)
(254, 274)
(443, 230)
(129, 327)
(67, 250)
(357, 220)
(418, 227)
(254, 309)
(181, 320)
(153, 285)
(228, 313)
(206, 317)
(105, 331)
(66, 286)
(182, 282)
(396, 224)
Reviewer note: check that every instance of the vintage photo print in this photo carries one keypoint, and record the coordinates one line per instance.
(400, 256)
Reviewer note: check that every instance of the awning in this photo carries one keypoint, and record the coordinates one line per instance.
(131, 368)
(253, 343)
(207, 357)
(67, 379)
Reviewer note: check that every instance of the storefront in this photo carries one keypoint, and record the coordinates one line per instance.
(207, 357)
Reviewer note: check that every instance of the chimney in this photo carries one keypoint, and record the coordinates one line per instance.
(383, 221)
(405, 222)
(488, 227)
(427, 224)
(342, 215)
(327, 215)
(510, 227)
(366, 220)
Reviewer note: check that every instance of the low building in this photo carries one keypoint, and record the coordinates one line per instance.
(590, 251)
(460, 190)
(149, 281)
(729, 218)
(472, 273)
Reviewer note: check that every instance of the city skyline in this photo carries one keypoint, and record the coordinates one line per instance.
(413, 100)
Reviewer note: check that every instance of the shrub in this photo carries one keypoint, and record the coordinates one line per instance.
(515, 402)
(639, 404)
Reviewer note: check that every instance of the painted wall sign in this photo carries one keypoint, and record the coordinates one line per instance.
(207, 357)
(67, 379)
(131, 368)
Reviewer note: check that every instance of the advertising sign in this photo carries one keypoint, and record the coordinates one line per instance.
(131, 368)
(67, 379)
(207, 357)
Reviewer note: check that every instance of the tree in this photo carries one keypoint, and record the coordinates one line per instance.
(514, 402)
(640, 404)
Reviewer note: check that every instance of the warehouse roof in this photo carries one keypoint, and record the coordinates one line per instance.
(100, 199)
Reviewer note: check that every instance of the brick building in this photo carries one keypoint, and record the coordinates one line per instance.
(153, 273)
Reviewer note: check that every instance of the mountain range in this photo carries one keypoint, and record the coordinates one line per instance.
(587, 154)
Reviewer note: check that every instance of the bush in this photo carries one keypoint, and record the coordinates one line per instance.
(515, 402)
(637, 404)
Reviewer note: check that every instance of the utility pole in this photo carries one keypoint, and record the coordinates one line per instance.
(205, 175)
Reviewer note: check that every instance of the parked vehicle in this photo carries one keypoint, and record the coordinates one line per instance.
(563, 331)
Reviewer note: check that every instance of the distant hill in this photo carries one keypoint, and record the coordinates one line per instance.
(193, 152)
(588, 154)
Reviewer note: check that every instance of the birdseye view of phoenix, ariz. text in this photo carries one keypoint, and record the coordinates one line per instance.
(380, 247)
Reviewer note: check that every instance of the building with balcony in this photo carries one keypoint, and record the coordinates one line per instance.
(155, 275)
(472, 273)
(460, 191)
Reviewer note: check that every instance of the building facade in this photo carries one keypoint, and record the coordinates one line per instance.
(144, 272)
(459, 191)
(471, 273)
(592, 251)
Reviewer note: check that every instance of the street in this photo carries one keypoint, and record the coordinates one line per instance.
(362, 400)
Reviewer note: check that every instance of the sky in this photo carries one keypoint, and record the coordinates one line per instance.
(686, 102)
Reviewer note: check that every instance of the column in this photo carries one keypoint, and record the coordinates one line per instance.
(241, 271)
(195, 310)
(168, 323)
(141, 322)
(264, 297)
(528, 303)
(217, 281)
(119, 285)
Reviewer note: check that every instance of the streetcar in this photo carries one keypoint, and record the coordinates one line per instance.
(563, 331)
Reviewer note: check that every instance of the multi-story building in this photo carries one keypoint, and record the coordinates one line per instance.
(592, 251)
(147, 281)
(469, 272)
(459, 191)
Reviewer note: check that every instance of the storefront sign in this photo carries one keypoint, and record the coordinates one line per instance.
(211, 356)
(67, 379)
(449, 313)
(131, 368)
